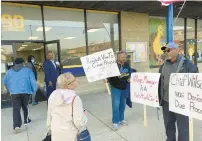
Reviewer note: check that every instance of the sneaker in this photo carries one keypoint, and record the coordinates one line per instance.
(34, 103)
(123, 123)
(116, 126)
(29, 121)
(17, 130)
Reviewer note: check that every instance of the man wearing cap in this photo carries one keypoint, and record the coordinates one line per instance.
(21, 84)
(174, 63)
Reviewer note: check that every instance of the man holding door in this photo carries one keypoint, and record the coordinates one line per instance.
(51, 70)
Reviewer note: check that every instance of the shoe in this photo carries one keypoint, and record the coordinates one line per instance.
(34, 103)
(115, 126)
(29, 121)
(17, 130)
(123, 123)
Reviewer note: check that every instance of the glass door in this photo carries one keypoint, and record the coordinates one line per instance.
(7, 61)
(53, 46)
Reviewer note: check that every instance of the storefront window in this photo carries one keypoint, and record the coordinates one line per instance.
(102, 28)
(7, 59)
(157, 39)
(178, 29)
(21, 22)
(190, 39)
(68, 27)
(199, 44)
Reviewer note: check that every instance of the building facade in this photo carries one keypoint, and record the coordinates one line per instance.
(75, 32)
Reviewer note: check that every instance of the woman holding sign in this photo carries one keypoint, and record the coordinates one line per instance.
(118, 91)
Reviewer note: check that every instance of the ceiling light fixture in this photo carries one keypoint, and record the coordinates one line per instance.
(180, 27)
(69, 38)
(41, 29)
(21, 47)
(93, 30)
(33, 38)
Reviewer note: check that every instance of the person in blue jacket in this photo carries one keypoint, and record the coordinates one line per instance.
(21, 84)
(51, 70)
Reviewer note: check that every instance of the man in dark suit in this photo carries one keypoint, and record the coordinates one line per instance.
(51, 70)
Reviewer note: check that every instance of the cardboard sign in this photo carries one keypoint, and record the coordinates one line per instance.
(100, 65)
(144, 88)
(185, 94)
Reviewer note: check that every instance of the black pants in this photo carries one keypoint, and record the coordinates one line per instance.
(170, 119)
(20, 101)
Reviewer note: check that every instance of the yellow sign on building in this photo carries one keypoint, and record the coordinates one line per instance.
(12, 23)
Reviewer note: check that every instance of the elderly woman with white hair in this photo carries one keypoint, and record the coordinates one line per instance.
(66, 119)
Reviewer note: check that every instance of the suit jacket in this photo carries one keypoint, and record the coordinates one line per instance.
(51, 73)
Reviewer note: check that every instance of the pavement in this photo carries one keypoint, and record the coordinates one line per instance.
(98, 104)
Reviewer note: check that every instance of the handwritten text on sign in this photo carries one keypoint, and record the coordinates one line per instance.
(185, 94)
(100, 65)
(144, 88)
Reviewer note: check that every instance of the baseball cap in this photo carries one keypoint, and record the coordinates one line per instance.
(170, 46)
(19, 61)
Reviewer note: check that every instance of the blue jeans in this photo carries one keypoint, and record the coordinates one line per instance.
(118, 104)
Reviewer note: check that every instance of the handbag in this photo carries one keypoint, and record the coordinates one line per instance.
(84, 135)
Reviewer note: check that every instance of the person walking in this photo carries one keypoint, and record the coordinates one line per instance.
(21, 84)
(66, 117)
(51, 70)
(30, 64)
(118, 87)
(174, 63)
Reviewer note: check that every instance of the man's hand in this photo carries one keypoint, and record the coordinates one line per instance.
(50, 84)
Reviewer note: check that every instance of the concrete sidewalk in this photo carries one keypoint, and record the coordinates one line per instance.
(99, 106)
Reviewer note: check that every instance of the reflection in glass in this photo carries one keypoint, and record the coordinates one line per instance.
(102, 31)
(7, 59)
(67, 26)
(179, 34)
(190, 39)
(199, 44)
(21, 23)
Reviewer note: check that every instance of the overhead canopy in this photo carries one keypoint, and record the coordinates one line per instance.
(192, 9)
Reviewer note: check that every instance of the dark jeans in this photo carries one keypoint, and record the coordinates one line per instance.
(118, 104)
(20, 101)
(170, 119)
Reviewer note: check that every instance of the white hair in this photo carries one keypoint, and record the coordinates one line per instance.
(64, 80)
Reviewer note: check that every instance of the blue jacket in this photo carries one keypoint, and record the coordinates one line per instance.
(20, 80)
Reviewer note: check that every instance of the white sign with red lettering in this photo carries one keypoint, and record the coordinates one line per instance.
(144, 88)
(185, 94)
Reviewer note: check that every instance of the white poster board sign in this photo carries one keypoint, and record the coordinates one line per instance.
(185, 94)
(100, 65)
(144, 88)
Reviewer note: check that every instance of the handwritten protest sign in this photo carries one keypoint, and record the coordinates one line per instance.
(144, 88)
(100, 65)
(185, 94)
